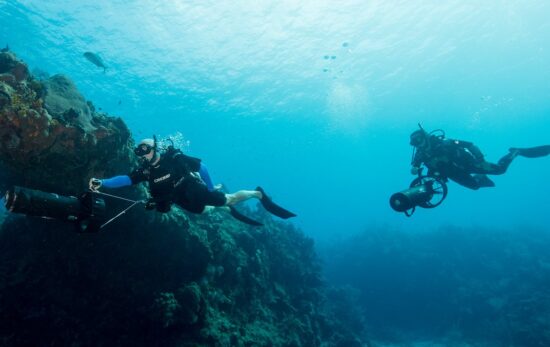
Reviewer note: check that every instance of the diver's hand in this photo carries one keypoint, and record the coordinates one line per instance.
(415, 170)
(94, 184)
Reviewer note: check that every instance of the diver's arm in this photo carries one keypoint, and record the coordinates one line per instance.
(134, 177)
(192, 164)
(116, 182)
(113, 182)
(205, 176)
(188, 163)
(416, 162)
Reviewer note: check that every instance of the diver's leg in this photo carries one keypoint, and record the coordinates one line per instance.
(217, 199)
(485, 167)
(196, 198)
(233, 212)
(504, 162)
(267, 203)
(241, 195)
(465, 179)
(483, 181)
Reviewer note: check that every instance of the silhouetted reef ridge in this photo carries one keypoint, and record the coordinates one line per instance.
(453, 286)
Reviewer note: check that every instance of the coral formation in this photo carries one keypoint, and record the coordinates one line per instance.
(148, 279)
(48, 133)
(62, 100)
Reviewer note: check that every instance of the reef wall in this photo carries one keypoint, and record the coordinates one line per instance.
(147, 279)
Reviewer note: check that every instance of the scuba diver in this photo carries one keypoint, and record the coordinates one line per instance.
(175, 178)
(462, 161)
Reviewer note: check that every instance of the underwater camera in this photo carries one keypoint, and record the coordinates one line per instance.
(424, 191)
(86, 212)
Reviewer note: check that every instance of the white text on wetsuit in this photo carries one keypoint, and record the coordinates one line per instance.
(156, 180)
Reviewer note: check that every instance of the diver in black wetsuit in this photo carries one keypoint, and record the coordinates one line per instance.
(175, 178)
(462, 161)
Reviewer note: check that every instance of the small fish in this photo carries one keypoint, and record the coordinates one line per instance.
(6, 49)
(95, 59)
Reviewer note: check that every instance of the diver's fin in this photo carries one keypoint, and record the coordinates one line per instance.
(533, 152)
(239, 216)
(273, 208)
(484, 181)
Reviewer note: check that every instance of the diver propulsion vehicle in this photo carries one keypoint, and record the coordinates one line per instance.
(424, 191)
(87, 211)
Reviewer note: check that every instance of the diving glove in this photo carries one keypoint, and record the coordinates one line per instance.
(94, 184)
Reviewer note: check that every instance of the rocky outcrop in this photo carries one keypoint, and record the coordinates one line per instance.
(10, 65)
(147, 279)
(63, 101)
(49, 136)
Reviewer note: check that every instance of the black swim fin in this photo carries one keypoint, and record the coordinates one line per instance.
(484, 181)
(239, 216)
(272, 207)
(533, 152)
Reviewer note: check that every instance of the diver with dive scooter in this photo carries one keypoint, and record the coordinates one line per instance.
(173, 179)
(449, 159)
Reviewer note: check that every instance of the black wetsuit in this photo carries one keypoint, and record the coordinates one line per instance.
(460, 161)
(172, 180)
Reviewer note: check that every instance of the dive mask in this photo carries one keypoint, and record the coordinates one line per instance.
(143, 149)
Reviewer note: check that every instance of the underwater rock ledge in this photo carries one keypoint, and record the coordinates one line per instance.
(149, 279)
(50, 137)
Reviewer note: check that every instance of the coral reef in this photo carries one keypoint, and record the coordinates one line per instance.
(62, 100)
(49, 134)
(148, 279)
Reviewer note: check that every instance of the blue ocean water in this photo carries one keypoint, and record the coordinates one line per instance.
(315, 100)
